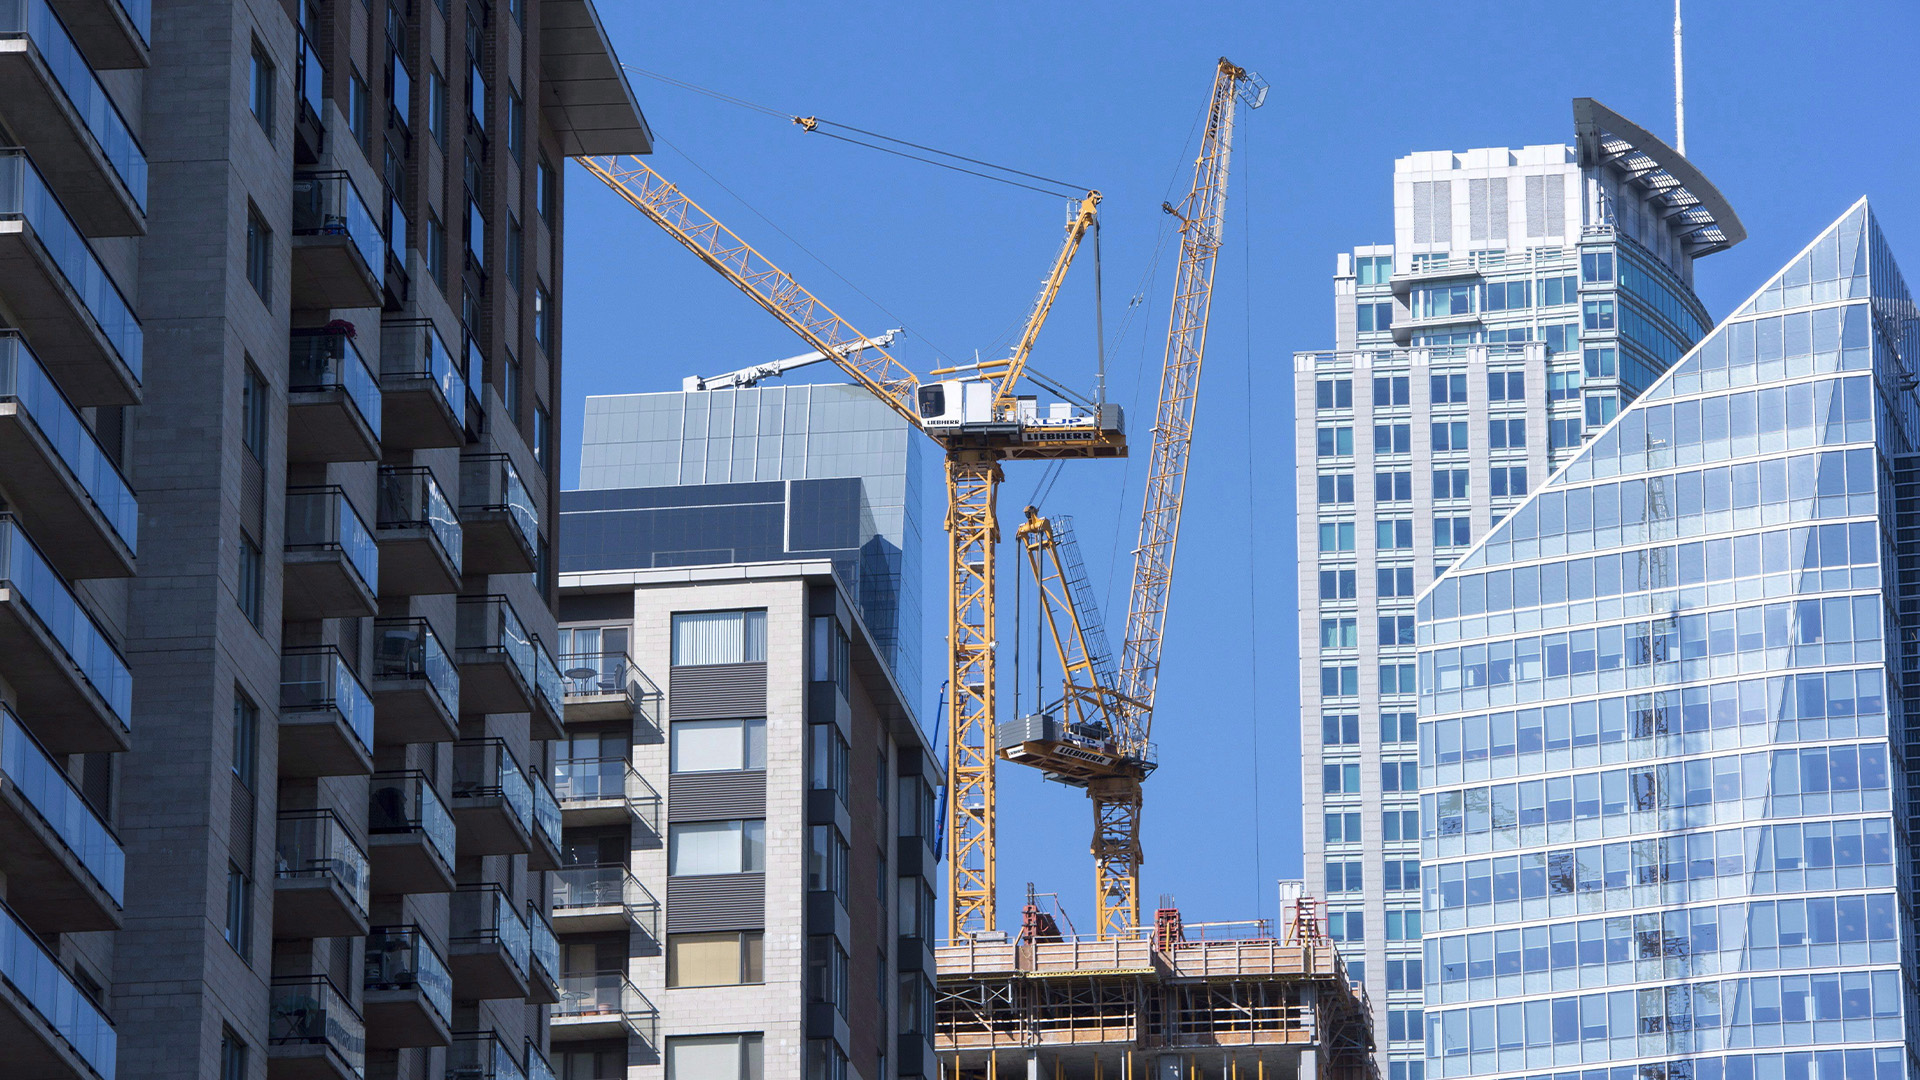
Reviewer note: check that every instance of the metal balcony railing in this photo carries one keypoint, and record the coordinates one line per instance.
(401, 958)
(545, 947)
(409, 649)
(608, 994)
(315, 678)
(25, 194)
(411, 349)
(483, 914)
(38, 976)
(25, 382)
(322, 360)
(547, 679)
(405, 802)
(36, 21)
(323, 519)
(609, 885)
(481, 1055)
(598, 674)
(51, 792)
(309, 1010)
(546, 811)
(486, 625)
(328, 204)
(537, 1065)
(583, 780)
(490, 483)
(410, 498)
(315, 843)
(485, 769)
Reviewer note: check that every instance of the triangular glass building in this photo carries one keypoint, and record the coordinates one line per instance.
(1662, 722)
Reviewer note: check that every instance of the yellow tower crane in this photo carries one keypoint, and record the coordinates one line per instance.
(1104, 740)
(979, 418)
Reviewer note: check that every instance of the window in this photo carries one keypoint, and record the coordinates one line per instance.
(1373, 318)
(1559, 290)
(542, 318)
(1340, 729)
(1339, 680)
(1395, 581)
(1401, 874)
(437, 106)
(1404, 974)
(1600, 363)
(542, 433)
(718, 745)
(1597, 314)
(1392, 486)
(711, 1057)
(476, 94)
(827, 972)
(1374, 269)
(1392, 390)
(246, 739)
(1333, 394)
(1399, 727)
(1563, 385)
(253, 412)
(1452, 532)
(516, 244)
(510, 388)
(1601, 409)
(476, 233)
(827, 760)
(399, 79)
(436, 250)
(1443, 301)
(233, 1056)
(360, 111)
(1449, 483)
(825, 1060)
(1393, 533)
(247, 592)
(1334, 441)
(1341, 779)
(1506, 386)
(1343, 828)
(1344, 877)
(1596, 266)
(1564, 433)
(259, 255)
(826, 861)
(832, 653)
(1336, 488)
(719, 637)
(546, 190)
(1399, 776)
(1397, 679)
(1449, 389)
(1506, 295)
(730, 959)
(1401, 826)
(1396, 630)
(1507, 481)
(716, 847)
(1337, 585)
(516, 125)
(1340, 633)
(1392, 438)
(1507, 434)
(239, 930)
(1336, 536)
(260, 79)
(1449, 436)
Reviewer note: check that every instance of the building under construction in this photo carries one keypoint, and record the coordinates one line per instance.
(1230, 1001)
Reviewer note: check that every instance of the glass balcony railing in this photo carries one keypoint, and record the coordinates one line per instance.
(481, 1055)
(537, 1066)
(598, 674)
(140, 14)
(546, 947)
(401, 958)
(35, 20)
(25, 382)
(582, 780)
(411, 349)
(323, 360)
(322, 519)
(610, 885)
(546, 679)
(53, 795)
(327, 204)
(405, 802)
(483, 914)
(409, 649)
(24, 194)
(607, 994)
(47, 594)
(488, 625)
(314, 843)
(410, 498)
(489, 482)
(310, 76)
(37, 976)
(307, 1010)
(546, 812)
(485, 769)
(316, 678)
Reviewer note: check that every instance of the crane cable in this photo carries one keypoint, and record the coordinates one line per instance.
(1253, 599)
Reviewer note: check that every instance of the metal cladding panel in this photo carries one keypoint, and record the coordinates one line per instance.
(717, 691)
(717, 796)
(716, 902)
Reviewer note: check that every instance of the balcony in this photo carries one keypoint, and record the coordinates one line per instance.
(543, 982)
(326, 716)
(481, 1055)
(608, 791)
(538, 1068)
(490, 949)
(338, 252)
(64, 867)
(407, 991)
(57, 478)
(51, 1029)
(81, 327)
(604, 900)
(495, 655)
(410, 835)
(418, 533)
(492, 801)
(319, 878)
(608, 686)
(421, 388)
(416, 688)
(332, 564)
(547, 721)
(114, 34)
(70, 684)
(333, 403)
(545, 852)
(497, 517)
(312, 1033)
(603, 1005)
(310, 110)
(53, 104)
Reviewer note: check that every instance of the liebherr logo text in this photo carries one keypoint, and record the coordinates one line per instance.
(1055, 436)
(1083, 755)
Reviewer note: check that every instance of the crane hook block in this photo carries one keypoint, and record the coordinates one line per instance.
(811, 123)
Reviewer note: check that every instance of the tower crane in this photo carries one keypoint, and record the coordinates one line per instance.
(979, 419)
(1105, 742)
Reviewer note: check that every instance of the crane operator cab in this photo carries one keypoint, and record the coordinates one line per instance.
(966, 405)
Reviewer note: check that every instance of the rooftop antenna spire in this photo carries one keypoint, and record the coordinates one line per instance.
(1679, 87)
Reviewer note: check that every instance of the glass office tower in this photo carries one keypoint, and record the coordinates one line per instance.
(1663, 811)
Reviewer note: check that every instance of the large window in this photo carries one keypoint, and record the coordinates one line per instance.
(832, 652)
(719, 637)
(727, 959)
(827, 972)
(714, 1057)
(827, 861)
(717, 847)
(260, 88)
(827, 759)
(718, 745)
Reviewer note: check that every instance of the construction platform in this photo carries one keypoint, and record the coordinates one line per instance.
(1220, 1001)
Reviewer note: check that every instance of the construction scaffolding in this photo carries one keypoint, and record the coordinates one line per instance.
(1222, 1000)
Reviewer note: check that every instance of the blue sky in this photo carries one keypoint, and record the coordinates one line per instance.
(1794, 110)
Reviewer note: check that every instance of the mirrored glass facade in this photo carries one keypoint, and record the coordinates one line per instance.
(1662, 726)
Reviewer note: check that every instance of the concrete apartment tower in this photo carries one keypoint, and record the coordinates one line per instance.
(282, 284)
(777, 904)
(1527, 295)
(1662, 726)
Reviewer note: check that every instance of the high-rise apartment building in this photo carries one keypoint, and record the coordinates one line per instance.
(765, 880)
(282, 286)
(1527, 294)
(1662, 730)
